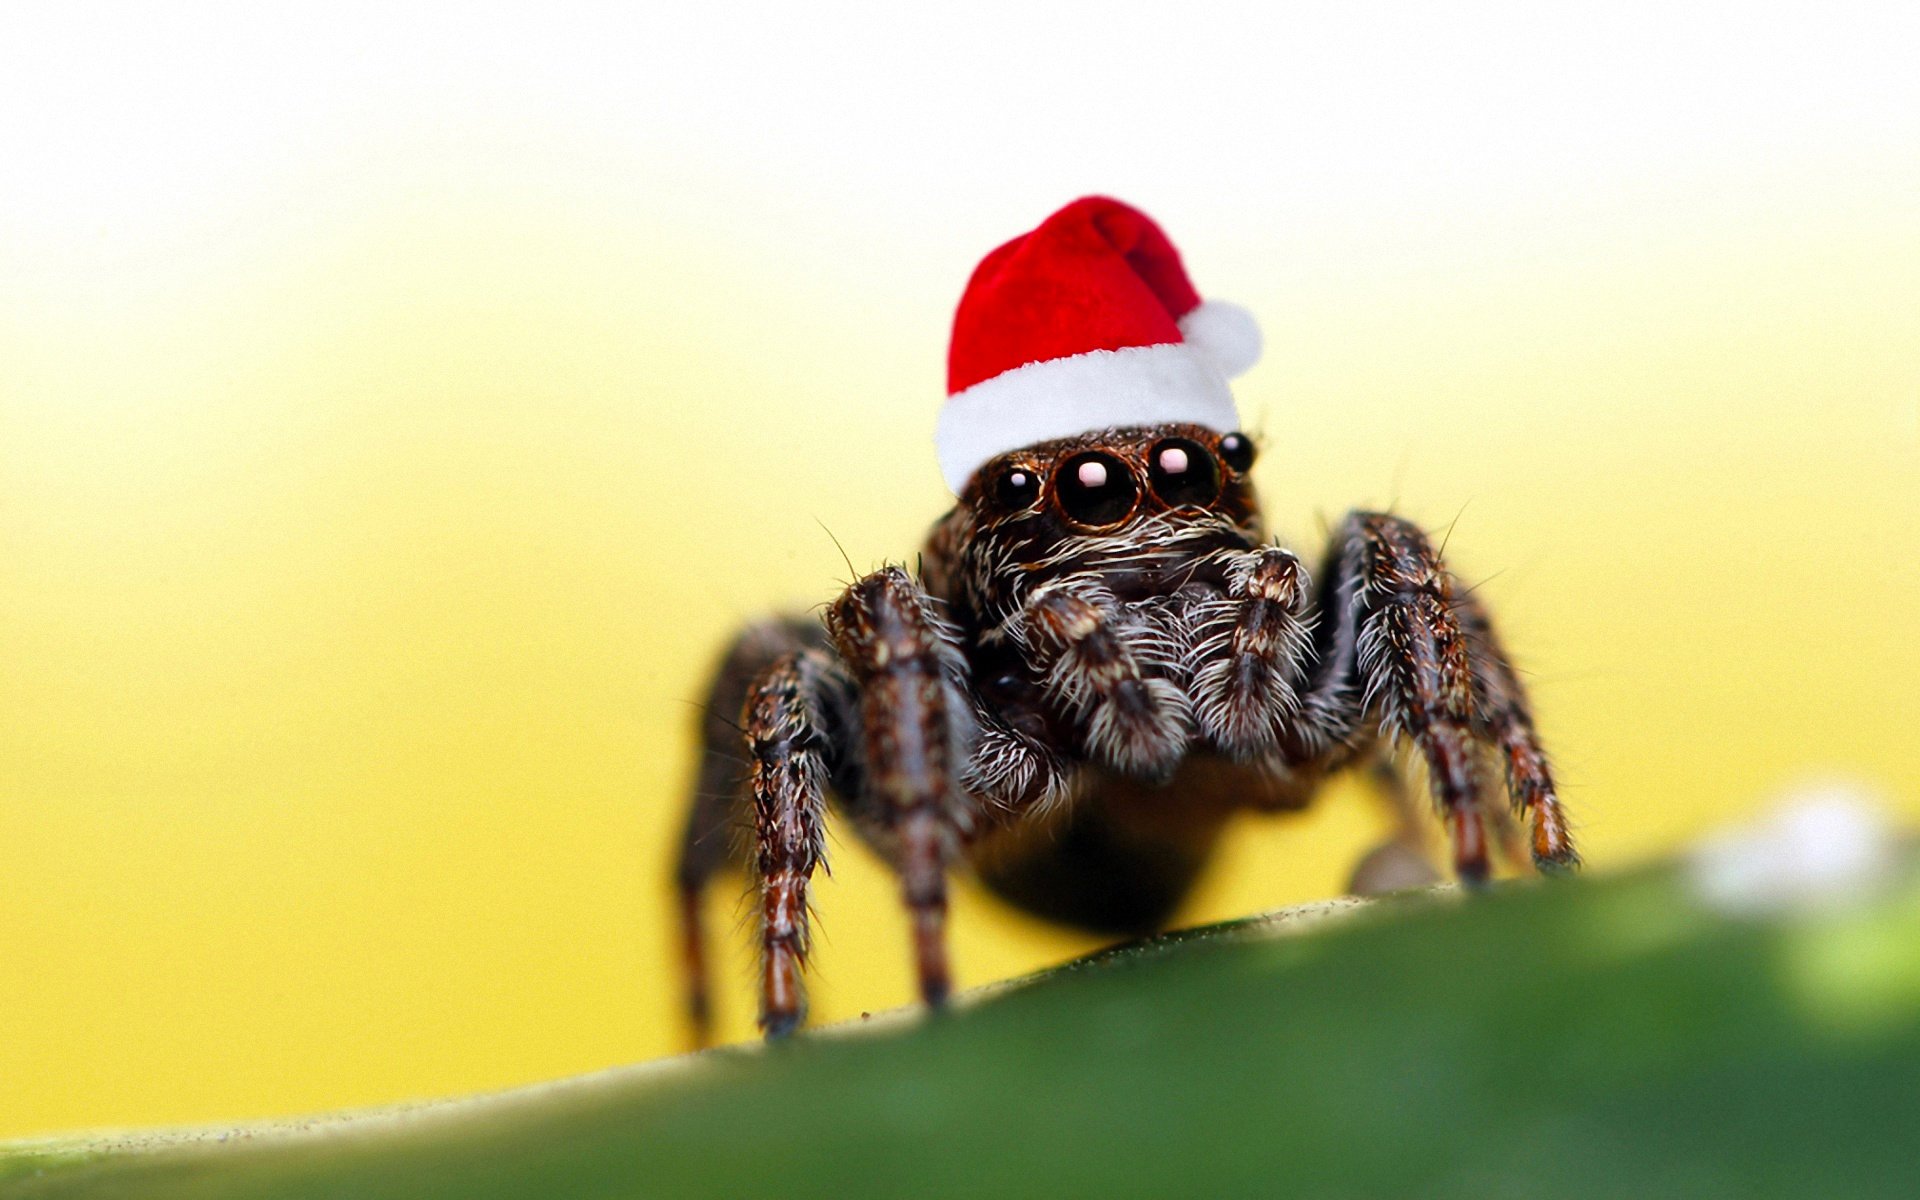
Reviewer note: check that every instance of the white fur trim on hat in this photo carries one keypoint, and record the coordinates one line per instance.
(1063, 397)
(1225, 333)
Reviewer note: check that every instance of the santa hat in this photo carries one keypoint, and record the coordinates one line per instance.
(1089, 322)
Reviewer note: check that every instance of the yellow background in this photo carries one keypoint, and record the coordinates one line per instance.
(396, 413)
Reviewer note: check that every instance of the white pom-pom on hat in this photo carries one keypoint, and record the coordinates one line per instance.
(1225, 334)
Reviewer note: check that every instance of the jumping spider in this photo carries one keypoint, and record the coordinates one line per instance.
(1100, 658)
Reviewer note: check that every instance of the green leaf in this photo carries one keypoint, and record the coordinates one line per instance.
(1606, 1037)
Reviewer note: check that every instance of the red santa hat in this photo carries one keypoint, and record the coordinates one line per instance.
(1088, 322)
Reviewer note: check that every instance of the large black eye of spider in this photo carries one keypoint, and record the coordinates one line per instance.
(1016, 488)
(1095, 489)
(1237, 450)
(1183, 473)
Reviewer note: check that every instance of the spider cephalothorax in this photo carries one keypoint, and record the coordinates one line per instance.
(1102, 657)
(1141, 528)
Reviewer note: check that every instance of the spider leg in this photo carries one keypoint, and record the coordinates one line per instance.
(1508, 723)
(1107, 669)
(1247, 651)
(789, 742)
(1401, 860)
(1011, 772)
(714, 838)
(1394, 637)
(916, 734)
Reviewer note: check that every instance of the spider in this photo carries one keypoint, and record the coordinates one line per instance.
(1101, 656)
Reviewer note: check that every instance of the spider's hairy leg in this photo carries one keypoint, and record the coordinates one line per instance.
(916, 733)
(1096, 660)
(1395, 634)
(1417, 673)
(1402, 857)
(1508, 723)
(1249, 647)
(713, 840)
(789, 744)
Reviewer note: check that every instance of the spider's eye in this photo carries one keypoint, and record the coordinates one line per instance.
(1237, 450)
(1017, 488)
(1095, 489)
(1183, 473)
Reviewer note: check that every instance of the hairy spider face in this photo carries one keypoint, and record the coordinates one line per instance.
(1103, 482)
(1139, 511)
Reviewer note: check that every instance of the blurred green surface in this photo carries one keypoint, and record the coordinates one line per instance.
(1610, 1037)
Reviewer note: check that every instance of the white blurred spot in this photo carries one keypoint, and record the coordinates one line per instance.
(1821, 847)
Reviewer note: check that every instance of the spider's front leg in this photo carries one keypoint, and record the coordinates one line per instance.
(1249, 646)
(1507, 721)
(788, 723)
(806, 684)
(1396, 647)
(1107, 668)
(916, 730)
